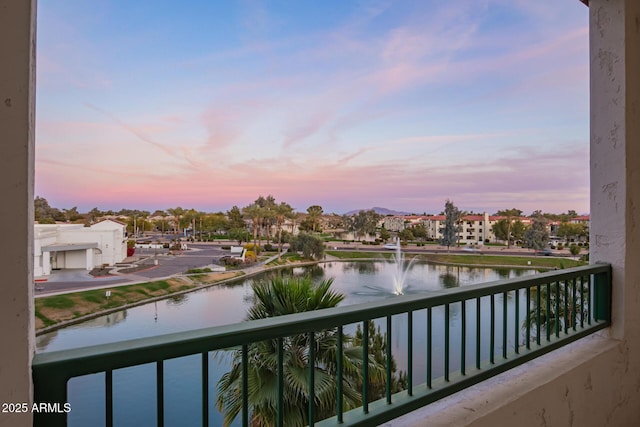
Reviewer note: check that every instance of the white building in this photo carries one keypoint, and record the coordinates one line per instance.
(61, 246)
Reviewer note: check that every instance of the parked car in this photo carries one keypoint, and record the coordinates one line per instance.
(545, 252)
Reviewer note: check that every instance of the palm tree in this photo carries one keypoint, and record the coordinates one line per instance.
(282, 212)
(254, 212)
(177, 215)
(287, 295)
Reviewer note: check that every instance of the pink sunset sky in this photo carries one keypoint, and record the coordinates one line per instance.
(345, 104)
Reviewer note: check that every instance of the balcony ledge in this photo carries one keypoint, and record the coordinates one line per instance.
(550, 389)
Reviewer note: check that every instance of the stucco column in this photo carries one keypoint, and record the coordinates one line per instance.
(615, 153)
(17, 110)
(89, 259)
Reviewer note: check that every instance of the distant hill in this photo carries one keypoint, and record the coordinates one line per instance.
(378, 210)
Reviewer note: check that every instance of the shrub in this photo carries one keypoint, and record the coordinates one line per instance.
(249, 257)
(250, 248)
(268, 247)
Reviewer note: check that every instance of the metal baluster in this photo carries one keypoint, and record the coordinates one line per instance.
(492, 338)
(312, 391)
(245, 385)
(205, 388)
(582, 302)
(547, 322)
(429, 353)
(388, 354)
(280, 409)
(538, 314)
(528, 318)
(589, 302)
(410, 353)
(365, 366)
(160, 392)
(109, 397)
(566, 306)
(463, 339)
(339, 379)
(478, 333)
(446, 342)
(557, 314)
(574, 307)
(504, 324)
(516, 329)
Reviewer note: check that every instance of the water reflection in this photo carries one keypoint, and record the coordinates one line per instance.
(178, 299)
(361, 267)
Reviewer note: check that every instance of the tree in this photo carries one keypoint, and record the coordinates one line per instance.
(239, 234)
(254, 213)
(419, 231)
(281, 296)
(311, 246)
(510, 214)
(93, 215)
(314, 213)
(406, 235)
(236, 220)
(537, 236)
(377, 346)
(365, 222)
(282, 212)
(508, 231)
(452, 226)
(177, 215)
(501, 230)
(569, 230)
(268, 205)
(384, 234)
(574, 249)
(72, 214)
(42, 211)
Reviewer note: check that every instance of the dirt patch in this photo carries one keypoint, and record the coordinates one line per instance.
(131, 270)
(101, 271)
(207, 278)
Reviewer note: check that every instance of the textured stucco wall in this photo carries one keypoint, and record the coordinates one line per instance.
(17, 73)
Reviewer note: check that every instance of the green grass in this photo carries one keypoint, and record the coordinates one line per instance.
(45, 320)
(286, 258)
(487, 260)
(59, 302)
(359, 254)
(198, 270)
(156, 286)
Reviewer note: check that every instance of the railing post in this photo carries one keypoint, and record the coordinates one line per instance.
(50, 387)
(602, 296)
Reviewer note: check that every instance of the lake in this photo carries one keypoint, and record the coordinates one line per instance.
(134, 388)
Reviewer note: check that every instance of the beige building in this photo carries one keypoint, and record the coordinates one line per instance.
(592, 383)
(66, 246)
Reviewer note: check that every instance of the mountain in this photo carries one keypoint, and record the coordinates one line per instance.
(378, 210)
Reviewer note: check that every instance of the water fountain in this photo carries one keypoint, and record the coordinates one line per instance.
(400, 272)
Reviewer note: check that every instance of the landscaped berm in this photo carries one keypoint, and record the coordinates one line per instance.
(60, 308)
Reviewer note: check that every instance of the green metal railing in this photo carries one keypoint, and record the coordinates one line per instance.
(562, 306)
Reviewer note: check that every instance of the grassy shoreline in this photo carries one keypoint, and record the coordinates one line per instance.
(57, 311)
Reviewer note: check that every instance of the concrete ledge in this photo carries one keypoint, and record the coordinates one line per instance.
(554, 390)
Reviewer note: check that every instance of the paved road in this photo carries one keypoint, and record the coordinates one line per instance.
(197, 256)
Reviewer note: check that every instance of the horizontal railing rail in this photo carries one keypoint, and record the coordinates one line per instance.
(562, 306)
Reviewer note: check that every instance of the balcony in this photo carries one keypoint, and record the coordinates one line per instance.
(592, 382)
(491, 338)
